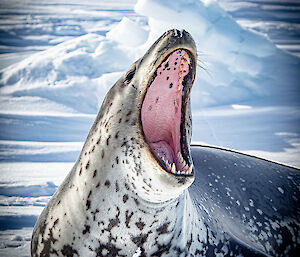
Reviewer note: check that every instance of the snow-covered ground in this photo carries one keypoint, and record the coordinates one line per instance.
(59, 59)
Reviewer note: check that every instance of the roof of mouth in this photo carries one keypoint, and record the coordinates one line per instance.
(161, 111)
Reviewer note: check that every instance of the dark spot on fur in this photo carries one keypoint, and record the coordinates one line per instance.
(80, 171)
(150, 107)
(107, 183)
(98, 185)
(112, 250)
(98, 141)
(128, 218)
(47, 243)
(163, 229)
(102, 154)
(125, 198)
(120, 120)
(189, 243)
(113, 222)
(117, 187)
(140, 239)
(87, 165)
(95, 173)
(171, 85)
(107, 140)
(156, 100)
(180, 231)
(117, 159)
(140, 225)
(117, 134)
(88, 204)
(86, 229)
(168, 78)
(94, 213)
(126, 186)
(136, 201)
(134, 87)
(68, 251)
(124, 143)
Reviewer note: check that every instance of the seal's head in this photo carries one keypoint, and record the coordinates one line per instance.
(135, 162)
(147, 118)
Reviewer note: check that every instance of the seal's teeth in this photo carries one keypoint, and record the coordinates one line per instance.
(189, 171)
(167, 164)
(186, 58)
(173, 168)
(180, 158)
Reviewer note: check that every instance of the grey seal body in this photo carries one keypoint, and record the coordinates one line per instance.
(131, 193)
(250, 206)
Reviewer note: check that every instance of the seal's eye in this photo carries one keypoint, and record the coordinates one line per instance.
(130, 75)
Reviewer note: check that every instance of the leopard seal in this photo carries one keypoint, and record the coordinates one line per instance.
(139, 188)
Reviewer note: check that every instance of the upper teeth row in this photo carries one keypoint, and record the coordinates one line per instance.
(187, 170)
(184, 59)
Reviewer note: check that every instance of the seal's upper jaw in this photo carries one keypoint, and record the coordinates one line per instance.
(164, 107)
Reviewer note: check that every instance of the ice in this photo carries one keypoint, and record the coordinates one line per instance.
(128, 33)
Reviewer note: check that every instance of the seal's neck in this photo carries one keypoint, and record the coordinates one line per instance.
(132, 223)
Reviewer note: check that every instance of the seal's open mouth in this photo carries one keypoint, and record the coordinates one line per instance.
(163, 112)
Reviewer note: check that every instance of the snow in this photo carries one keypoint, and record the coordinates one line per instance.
(134, 34)
(58, 61)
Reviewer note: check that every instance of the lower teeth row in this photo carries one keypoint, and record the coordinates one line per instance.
(172, 168)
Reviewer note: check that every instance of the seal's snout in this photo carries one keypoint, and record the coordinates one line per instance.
(179, 35)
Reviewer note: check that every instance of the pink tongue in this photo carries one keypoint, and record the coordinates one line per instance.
(161, 109)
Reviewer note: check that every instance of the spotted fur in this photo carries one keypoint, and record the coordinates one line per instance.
(118, 201)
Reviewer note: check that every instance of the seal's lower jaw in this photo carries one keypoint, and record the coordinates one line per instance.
(163, 113)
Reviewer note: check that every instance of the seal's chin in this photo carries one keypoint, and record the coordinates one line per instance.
(163, 112)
